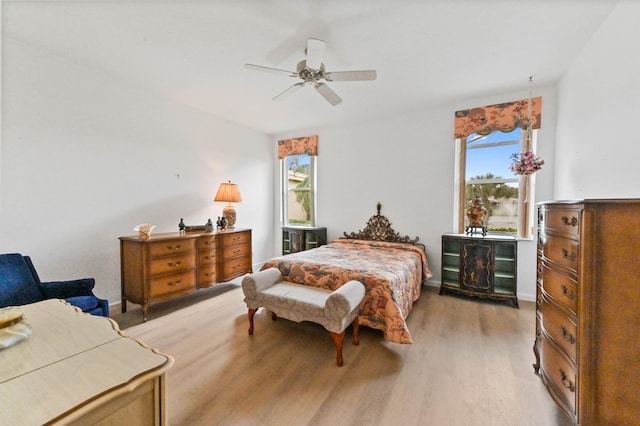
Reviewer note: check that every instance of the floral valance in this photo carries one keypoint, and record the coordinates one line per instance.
(296, 146)
(504, 117)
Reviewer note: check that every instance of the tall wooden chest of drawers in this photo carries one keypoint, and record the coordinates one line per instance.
(587, 345)
(169, 265)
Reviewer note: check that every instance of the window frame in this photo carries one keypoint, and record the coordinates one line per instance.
(285, 190)
(526, 189)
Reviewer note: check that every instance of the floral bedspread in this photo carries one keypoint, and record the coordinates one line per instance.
(391, 272)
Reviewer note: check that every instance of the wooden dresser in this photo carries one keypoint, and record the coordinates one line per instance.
(80, 369)
(235, 254)
(587, 345)
(169, 265)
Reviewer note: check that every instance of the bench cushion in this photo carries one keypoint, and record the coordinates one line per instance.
(252, 284)
(296, 302)
(333, 310)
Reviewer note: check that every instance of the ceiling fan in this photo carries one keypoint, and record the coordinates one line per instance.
(312, 71)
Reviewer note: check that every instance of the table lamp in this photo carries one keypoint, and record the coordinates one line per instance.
(229, 192)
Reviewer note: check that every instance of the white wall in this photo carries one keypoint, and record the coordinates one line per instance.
(86, 157)
(406, 162)
(599, 106)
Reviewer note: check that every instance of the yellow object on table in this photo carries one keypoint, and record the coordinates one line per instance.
(13, 327)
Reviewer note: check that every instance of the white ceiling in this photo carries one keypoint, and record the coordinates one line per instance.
(426, 52)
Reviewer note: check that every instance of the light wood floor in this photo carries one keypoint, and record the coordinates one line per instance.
(470, 364)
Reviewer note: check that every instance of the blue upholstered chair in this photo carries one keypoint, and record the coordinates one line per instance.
(20, 285)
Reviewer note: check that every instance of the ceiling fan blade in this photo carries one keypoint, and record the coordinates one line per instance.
(331, 96)
(288, 92)
(268, 69)
(315, 53)
(362, 75)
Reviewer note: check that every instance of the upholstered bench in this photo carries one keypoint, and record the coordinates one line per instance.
(334, 310)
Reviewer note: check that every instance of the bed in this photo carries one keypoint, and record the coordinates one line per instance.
(391, 267)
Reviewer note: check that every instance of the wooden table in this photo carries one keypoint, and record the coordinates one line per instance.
(76, 368)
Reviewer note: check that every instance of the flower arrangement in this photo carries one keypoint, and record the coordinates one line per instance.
(525, 163)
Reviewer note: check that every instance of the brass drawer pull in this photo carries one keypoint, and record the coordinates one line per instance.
(171, 264)
(209, 274)
(237, 251)
(174, 247)
(567, 336)
(565, 291)
(174, 283)
(207, 243)
(566, 255)
(210, 257)
(570, 222)
(566, 382)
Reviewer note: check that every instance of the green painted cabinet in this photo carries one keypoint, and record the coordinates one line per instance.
(301, 238)
(480, 266)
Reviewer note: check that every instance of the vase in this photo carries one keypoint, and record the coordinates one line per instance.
(476, 214)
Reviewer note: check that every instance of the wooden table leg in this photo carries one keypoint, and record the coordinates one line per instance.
(250, 314)
(338, 339)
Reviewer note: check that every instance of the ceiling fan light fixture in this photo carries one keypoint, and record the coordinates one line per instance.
(312, 70)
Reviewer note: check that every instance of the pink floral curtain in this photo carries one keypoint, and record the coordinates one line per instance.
(304, 145)
(503, 117)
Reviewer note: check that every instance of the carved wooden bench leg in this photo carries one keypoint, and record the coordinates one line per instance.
(356, 328)
(338, 339)
(251, 313)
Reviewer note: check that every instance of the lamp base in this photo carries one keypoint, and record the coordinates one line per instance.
(229, 213)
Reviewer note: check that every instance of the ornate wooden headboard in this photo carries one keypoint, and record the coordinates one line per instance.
(379, 229)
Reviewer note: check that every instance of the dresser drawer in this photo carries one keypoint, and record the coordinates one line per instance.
(169, 247)
(561, 287)
(561, 221)
(560, 375)
(561, 251)
(236, 267)
(243, 250)
(175, 283)
(236, 238)
(206, 257)
(559, 326)
(207, 275)
(172, 264)
(206, 242)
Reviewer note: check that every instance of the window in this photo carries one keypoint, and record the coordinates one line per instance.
(483, 162)
(484, 168)
(298, 184)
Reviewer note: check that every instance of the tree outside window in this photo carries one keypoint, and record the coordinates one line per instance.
(487, 161)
